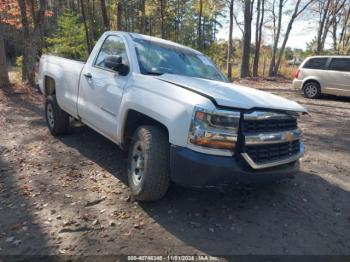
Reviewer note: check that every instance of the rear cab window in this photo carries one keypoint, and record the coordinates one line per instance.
(340, 64)
(316, 63)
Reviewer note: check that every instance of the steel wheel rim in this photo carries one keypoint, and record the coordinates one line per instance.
(137, 163)
(50, 115)
(311, 90)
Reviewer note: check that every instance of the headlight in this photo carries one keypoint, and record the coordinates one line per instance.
(216, 129)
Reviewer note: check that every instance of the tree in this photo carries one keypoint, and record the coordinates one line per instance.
(4, 77)
(69, 38)
(288, 53)
(336, 13)
(119, 16)
(295, 14)
(324, 19)
(276, 34)
(162, 14)
(199, 27)
(32, 34)
(258, 35)
(143, 17)
(87, 34)
(247, 34)
(344, 36)
(229, 47)
(104, 15)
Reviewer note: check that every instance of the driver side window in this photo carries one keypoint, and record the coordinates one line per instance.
(112, 46)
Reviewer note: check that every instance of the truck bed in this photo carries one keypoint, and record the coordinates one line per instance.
(66, 73)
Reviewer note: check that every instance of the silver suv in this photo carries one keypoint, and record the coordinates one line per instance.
(324, 75)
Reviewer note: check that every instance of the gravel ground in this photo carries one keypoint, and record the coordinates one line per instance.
(69, 195)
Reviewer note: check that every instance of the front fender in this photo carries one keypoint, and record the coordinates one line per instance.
(174, 115)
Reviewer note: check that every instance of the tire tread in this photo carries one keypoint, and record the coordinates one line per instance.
(157, 179)
(62, 124)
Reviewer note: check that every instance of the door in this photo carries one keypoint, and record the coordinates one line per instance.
(101, 88)
(338, 76)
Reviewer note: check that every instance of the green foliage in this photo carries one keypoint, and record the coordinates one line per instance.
(288, 53)
(69, 39)
(19, 61)
(218, 53)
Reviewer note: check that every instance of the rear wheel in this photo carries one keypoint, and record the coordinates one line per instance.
(312, 90)
(57, 120)
(148, 164)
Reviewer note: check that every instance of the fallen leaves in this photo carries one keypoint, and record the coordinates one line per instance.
(26, 190)
(74, 176)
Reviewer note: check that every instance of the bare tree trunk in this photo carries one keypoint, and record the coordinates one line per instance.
(90, 20)
(26, 35)
(4, 76)
(341, 42)
(247, 35)
(162, 31)
(272, 69)
(295, 14)
(335, 21)
(321, 30)
(87, 35)
(258, 34)
(229, 48)
(104, 15)
(31, 48)
(119, 16)
(325, 33)
(143, 16)
(334, 35)
(199, 27)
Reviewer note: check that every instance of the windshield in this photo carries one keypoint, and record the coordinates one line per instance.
(158, 58)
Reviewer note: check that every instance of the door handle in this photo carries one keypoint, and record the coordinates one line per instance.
(347, 76)
(88, 75)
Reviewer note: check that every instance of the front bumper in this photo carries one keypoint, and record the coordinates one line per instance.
(194, 169)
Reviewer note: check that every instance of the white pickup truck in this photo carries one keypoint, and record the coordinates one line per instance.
(180, 118)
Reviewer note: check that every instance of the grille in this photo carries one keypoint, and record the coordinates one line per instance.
(273, 152)
(269, 125)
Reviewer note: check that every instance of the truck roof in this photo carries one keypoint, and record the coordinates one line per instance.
(154, 39)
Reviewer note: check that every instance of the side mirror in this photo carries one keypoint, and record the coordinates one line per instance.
(115, 63)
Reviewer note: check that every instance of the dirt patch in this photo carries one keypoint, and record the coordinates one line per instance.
(69, 195)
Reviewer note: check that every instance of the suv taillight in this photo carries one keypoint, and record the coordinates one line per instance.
(297, 74)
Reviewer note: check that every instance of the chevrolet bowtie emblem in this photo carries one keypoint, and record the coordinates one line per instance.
(289, 136)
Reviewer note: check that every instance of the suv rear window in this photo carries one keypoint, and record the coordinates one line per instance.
(316, 63)
(340, 64)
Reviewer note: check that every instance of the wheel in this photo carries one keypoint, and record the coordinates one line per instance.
(57, 120)
(312, 90)
(148, 164)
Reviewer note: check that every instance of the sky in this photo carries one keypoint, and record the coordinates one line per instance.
(303, 31)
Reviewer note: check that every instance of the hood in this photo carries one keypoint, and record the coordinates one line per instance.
(232, 95)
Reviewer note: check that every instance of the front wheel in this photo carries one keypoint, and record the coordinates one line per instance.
(148, 164)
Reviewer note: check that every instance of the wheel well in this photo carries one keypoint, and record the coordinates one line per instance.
(135, 119)
(49, 86)
(310, 81)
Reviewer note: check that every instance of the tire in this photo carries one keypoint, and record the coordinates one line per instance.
(148, 164)
(312, 90)
(57, 120)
